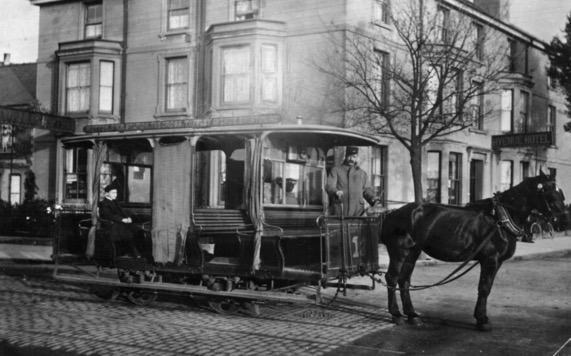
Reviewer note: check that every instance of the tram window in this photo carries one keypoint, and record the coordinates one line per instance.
(293, 176)
(130, 168)
(219, 179)
(76, 173)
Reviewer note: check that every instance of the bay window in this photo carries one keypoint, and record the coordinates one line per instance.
(106, 81)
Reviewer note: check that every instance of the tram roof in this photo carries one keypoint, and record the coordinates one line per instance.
(347, 136)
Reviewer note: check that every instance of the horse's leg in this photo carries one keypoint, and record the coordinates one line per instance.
(488, 270)
(404, 284)
(397, 257)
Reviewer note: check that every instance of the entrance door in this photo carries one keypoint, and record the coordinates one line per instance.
(476, 179)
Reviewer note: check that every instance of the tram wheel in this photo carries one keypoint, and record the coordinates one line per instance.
(225, 307)
(105, 293)
(141, 298)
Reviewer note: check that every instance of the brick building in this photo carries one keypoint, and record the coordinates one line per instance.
(149, 62)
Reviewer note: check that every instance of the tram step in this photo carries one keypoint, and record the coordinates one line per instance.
(349, 286)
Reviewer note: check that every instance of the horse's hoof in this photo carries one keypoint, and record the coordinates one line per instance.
(416, 321)
(399, 320)
(485, 327)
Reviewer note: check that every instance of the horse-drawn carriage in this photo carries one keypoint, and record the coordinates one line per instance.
(238, 215)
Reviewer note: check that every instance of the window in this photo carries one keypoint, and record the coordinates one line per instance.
(551, 121)
(75, 173)
(476, 179)
(506, 179)
(246, 9)
(452, 93)
(294, 174)
(381, 11)
(129, 166)
(477, 107)
(433, 176)
(524, 168)
(106, 80)
(443, 24)
(177, 84)
(236, 74)
(522, 125)
(378, 172)
(381, 81)
(507, 110)
(454, 175)
(512, 50)
(269, 73)
(178, 14)
(478, 40)
(15, 189)
(78, 87)
(93, 20)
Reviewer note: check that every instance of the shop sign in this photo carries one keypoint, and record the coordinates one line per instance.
(184, 124)
(37, 120)
(534, 139)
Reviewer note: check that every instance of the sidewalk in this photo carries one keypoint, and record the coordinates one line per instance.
(542, 247)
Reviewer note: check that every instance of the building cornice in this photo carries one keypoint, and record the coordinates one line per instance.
(509, 29)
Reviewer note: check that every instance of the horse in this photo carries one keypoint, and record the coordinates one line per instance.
(485, 231)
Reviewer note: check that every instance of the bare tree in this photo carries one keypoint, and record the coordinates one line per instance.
(423, 81)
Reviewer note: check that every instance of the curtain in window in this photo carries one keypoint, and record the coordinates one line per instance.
(269, 73)
(78, 87)
(254, 196)
(177, 83)
(106, 86)
(236, 74)
(99, 155)
(171, 201)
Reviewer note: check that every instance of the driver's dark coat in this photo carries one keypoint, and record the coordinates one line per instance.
(354, 183)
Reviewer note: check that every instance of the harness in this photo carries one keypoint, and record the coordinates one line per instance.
(504, 219)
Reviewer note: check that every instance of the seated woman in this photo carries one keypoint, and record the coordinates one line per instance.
(121, 224)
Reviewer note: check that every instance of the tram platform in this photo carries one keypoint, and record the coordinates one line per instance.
(22, 249)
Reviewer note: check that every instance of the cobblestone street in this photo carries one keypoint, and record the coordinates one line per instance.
(51, 315)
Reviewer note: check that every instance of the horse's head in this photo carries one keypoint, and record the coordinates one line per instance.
(545, 196)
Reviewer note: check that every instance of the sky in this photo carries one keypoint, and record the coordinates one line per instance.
(19, 24)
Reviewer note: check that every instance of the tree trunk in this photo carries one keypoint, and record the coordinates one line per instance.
(416, 166)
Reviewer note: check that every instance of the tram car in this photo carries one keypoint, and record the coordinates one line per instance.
(236, 215)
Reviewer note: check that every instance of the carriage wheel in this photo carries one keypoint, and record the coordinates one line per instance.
(548, 230)
(141, 298)
(105, 293)
(225, 307)
(535, 230)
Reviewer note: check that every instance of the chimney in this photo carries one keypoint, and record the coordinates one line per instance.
(6, 59)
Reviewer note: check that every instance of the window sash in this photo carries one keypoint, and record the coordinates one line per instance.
(94, 20)
(269, 73)
(106, 79)
(15, 189)
(178, 14)
(177, 84)
(506, 180)
(507, 110)
(523, 123)
(236, 74)
(78, 87)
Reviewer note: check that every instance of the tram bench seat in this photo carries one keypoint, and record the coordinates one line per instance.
(221, 221)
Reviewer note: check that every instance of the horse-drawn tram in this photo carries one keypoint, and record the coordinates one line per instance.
(236, 215)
